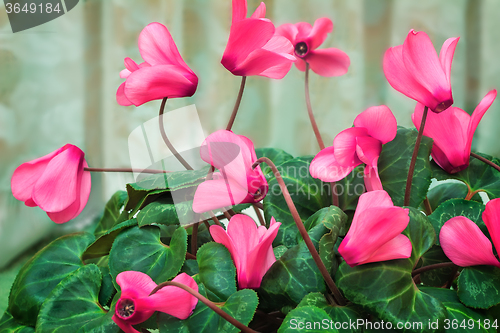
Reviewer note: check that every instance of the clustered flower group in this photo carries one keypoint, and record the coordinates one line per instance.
(60, 184)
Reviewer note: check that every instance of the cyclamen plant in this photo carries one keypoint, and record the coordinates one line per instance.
(398, 255)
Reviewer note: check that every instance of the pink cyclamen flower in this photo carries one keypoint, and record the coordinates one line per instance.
(466, 245)
(136, 306)
(359, 144)
(253, 48)
(162, 74)
(415, 70)
(375, 232)
(452, 132)
(57, 183)
(250, 247)
(305, 39)
(235, 182)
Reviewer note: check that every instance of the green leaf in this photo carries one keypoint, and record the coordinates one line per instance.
(9, 325)
(277, 156)
(309, 319)
(217, 271)
(290, 278)
(436, 277)
(241, 305)
(479, 175)
(479, 286)
(460, 318)
(140, 249)
(338, 314)
(386, 289)
(150, 187)
(101, 246)
(308, 194)
(457, 207)
(421, 234)
(112, 213)
(108, 288)
(444, 192)
(43, 272)
(161, 211)
(73, 305)
(394, 163)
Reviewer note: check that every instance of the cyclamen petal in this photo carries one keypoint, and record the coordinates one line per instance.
(233, 155)
(306, 39)
(491, 217)
(375, 232)
(136, 305)
(452, 132)
(248, 51)
(163, 74)
(415, 70)
(464, 243)
(57, 183)
(250, 248)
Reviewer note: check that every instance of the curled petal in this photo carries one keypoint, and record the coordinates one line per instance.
(491, 217)
(287, 30)
(372, 179)
(220, 236)
(324, 166)
(478, 113)
(379, 122)
(150, 83)
(215, 194)
(135, 284)
(125, 326)
(464, 243)
(368, 149)
(397, 248)
(243, 231)
(260, 12)
(239, 8)
(120, 95)
(157, 47)
(329, 62)
(446, 55)
(174, 300)
(321, 28)
(345, 146)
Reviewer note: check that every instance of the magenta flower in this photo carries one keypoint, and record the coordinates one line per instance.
(464, 243)
(136, 306)
(305, 39)
(415, 70)
(250, 247)
(452, 132)
(57, 183)
(162, 74)
(235, 182)
(359, 144)
(375, 232)
(253, 48)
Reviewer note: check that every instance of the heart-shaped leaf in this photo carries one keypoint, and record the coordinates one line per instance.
(73, 306)
(140, 249)
(479, 286)
(113, 213)
(394, 163)
(217, 271)
(43, 272)
(276, 155)
(9, 325)
(436, 277)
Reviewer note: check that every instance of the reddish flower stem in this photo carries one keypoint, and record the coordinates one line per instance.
(259, 215)
(427, 206)
(482, 159)
(470, 194)
(167, 141)
(413, 161)
(335, 198)
(431, 267)
(194, 239)
(300, 225)
(208, 303)
(125, 170)
(237, 104)
(259, 205)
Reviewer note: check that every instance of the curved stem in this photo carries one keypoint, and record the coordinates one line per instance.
(259, 215)
(194, 239)
(427, 206)
(431, 267)
(237, 104)
(167, 141)
(124, 170)
(413, 161)
(259, 205)
(300, 225)
(207, 302)
(470, 194)
(310, 112)
(482, 159)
